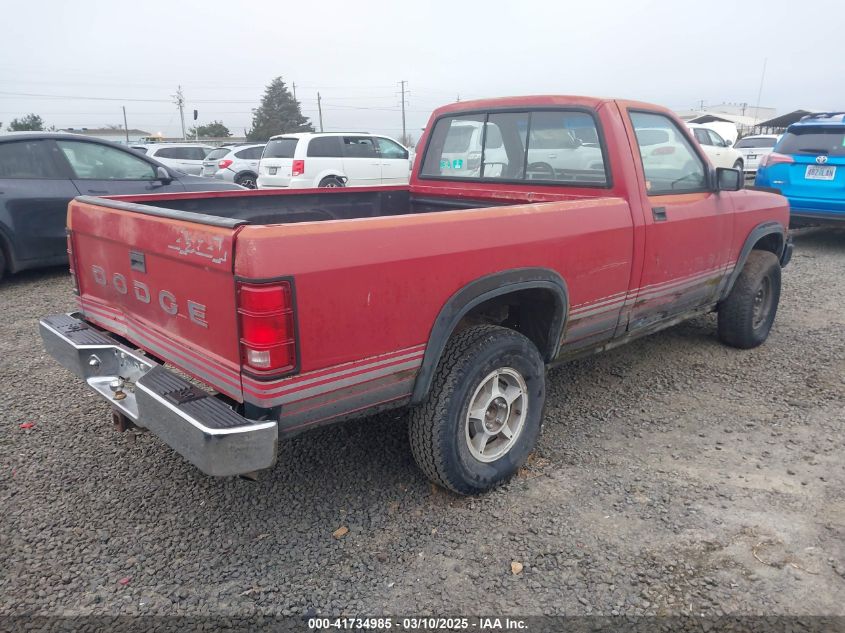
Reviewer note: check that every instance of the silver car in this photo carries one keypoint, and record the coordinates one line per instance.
(237, 164)
(186, 157)
(754, 147)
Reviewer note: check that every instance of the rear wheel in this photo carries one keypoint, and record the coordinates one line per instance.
(747, 315)
(332, 182)
(246, 180)
(482, 416)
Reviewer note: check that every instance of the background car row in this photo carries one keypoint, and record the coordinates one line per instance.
(41, 172)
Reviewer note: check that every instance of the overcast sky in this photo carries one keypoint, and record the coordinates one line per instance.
(100, 55)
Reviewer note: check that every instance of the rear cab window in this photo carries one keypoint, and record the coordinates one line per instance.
(553, 145)
(280, 148)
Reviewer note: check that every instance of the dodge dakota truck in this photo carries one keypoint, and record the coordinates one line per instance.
(225, 322)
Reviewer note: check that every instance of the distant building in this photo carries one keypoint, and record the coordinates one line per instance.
(117, 135)
(778, 124)
(744, 116)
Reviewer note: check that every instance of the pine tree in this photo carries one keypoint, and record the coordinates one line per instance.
(278, 113)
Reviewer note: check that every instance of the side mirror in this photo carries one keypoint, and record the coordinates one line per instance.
(728, 179)
(728, 143)
(163, 175)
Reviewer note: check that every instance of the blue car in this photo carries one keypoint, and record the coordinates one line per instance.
(808, 167)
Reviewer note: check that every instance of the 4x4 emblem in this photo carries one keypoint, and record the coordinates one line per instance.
(821, 160)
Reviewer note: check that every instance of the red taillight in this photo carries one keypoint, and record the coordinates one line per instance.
(223, 164)
(773, 158)
(71, 264)
(268, 337)
(298, 168)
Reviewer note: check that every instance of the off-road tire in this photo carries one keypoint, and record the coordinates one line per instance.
(737, 326)
(437, 426)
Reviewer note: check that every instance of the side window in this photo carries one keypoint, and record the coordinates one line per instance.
(197, 153)
(251, 153)
(100, 162)
(390, 149)
(454, 149)
(167, 152)
(504, 146)
(325, 147)
(671, 166)
(716, 140)
(27, 159)
(563, 147)
(359, 147)
(702, 136)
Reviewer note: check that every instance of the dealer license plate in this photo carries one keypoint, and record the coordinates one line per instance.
(820, 172)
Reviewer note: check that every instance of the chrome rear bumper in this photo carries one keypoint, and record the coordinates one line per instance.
(198, 426)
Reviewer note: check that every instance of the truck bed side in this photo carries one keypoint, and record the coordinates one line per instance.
(369, 291)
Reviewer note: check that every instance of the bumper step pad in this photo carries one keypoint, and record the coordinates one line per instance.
(190, 399)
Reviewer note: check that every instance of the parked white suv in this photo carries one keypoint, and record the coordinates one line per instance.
(186, 157)
(718, 150)
(237, 164)
(311, 159)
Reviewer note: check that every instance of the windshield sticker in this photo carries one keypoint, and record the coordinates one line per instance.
(458, 163)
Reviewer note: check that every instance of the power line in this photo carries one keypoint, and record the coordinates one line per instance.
(43, 96)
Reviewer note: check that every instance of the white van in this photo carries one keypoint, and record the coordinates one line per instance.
(332, 159)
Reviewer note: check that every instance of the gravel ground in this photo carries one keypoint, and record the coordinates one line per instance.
(673, 476)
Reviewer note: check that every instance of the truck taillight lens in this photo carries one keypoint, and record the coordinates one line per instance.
(298, 168)
(71, 264)
(223, 164)
(268, 335)
(773, 158)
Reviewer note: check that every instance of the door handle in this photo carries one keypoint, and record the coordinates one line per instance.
(659, 214)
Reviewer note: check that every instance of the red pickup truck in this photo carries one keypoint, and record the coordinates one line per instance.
(534, 230)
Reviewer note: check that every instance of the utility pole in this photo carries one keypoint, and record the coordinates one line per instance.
(320, 110)
(294, 90)
(125, 125)
(179, 100)
(404, 135)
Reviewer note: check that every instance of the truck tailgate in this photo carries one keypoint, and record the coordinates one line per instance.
(165, 284)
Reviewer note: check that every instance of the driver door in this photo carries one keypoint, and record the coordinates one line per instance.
(688, 226)
(102, 170)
